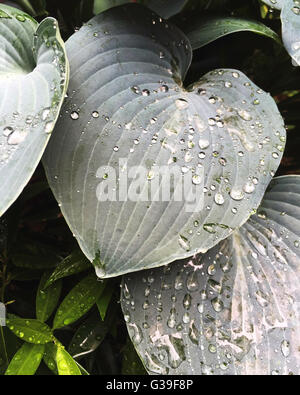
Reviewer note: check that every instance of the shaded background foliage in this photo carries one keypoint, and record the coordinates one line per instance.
(34, 236)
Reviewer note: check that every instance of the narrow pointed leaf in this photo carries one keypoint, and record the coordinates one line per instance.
(26, 361)
(65, 363)
(47, 299)
(88, 337)
(29, 330)
(207, 30)
(33, 74)
(104, 300)
(222, 137)
(79, 301)
(233, 310)
(49, 357)
(72, 264)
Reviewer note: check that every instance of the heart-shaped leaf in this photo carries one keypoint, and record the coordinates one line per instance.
(33, 75)
(290, 19)
(222, 138)
(234, 310)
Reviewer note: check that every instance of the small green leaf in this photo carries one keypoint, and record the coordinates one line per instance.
(47, 299)
(132, 365)
(206, 30)
(88, 337)
(26, 360)
(31, 331)
(9, 345)
(50, 357)
(104, 300)
(72, 264)
(79, 301)
(66, 364)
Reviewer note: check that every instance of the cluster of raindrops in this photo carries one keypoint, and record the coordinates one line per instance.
(192, 314)
(19, 126)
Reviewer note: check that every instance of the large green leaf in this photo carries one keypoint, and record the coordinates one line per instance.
(223, 136)
(206, 30)
(33, 75)
(290, 19)
(234, 310)
(26, 361)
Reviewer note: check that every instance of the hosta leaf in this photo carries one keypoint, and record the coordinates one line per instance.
(65, 363)
(165, 8)
(47, 299)
(88, 337)
(207, 30)
(290, 19)
(223, 137)
(72, 264)
(33, 74)
(26, 361)
(233, 310)
(29, 330)
(78, 301)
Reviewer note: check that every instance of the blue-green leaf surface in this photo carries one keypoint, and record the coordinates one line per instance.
(33, 77)
(224, 136)
(231, 311)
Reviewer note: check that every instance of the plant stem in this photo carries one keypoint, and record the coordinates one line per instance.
(3, 346)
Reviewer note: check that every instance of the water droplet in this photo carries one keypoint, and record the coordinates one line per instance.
(181, 104)
(203, 144)
(296, 10)
(219, 199)
(249, 187)
(237, 194)
(184, 243)
(146, 92)
(285, 348)
(245, 115)
(217, 304)
(74, 115)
